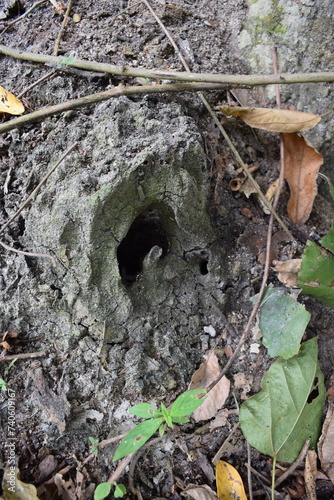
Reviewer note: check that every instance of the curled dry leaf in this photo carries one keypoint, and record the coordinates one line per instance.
(288, 271)
(202, 378)
(301, 165)
(310, 474)
(274, 120)
(203, 492)
(9, 103)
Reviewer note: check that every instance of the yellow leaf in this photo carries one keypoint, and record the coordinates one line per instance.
(229, 482)
(274, 120)
(9, 103)
(14, 489)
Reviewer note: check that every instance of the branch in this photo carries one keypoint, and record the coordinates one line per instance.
(103, 96)
(184, 76)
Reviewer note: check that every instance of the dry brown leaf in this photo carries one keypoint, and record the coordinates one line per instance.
(9, 103)
(288, 271)
(302, 163)
(274, 120)
(326, 441)
(202, 378)
(310, 474)
(203, 492)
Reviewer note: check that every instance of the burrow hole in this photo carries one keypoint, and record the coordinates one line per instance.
(146, 231)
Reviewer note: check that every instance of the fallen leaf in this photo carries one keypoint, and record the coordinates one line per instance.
(229, 482)
(287, 271)
(200, 492)
(278, 420)
(202, 378)
(282, 322)
(301, 165)
(310, 474)
(274, 120)
(326, 441)
(317, 270)
(9, 103)
(14, 488)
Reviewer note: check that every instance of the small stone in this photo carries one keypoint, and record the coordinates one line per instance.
(76, 18)
(210, 330)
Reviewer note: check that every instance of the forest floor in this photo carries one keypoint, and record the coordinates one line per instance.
(112, 32)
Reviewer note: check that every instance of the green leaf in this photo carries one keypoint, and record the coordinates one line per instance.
(166, 415)
(187, 403)
(120, 491)
(282, 322)
(93, 440)
(137, 437)
(3, 385)
(102, 491)
(316, 276)
(161, 429)
(145, 410)
(180, 420)
(278, 420)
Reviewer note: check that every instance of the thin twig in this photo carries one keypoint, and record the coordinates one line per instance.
(249, 471)
(8, 25)
(252, 80)
(29, 254)
(101, 445)
(63, 24)
(104, 96)
(40, 80)
(293, 467)
(120, 468)
(35, 191)
(26, 355)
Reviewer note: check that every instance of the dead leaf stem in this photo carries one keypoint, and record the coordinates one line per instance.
(185, 76)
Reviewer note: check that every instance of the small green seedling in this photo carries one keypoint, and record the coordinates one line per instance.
(103, 490)
(10, 365)
(3, 385)
(155, 419)
(93, 448)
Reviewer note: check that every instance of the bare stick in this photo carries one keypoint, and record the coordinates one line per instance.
(252, 80)
(293, 467)
(29, 254)
(101, 445)
(35, 191)
(249, 471)
(45, 77)
(104, 96)
(66, 16)
(26, 355)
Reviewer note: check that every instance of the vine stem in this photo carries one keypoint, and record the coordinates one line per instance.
(185, 76)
